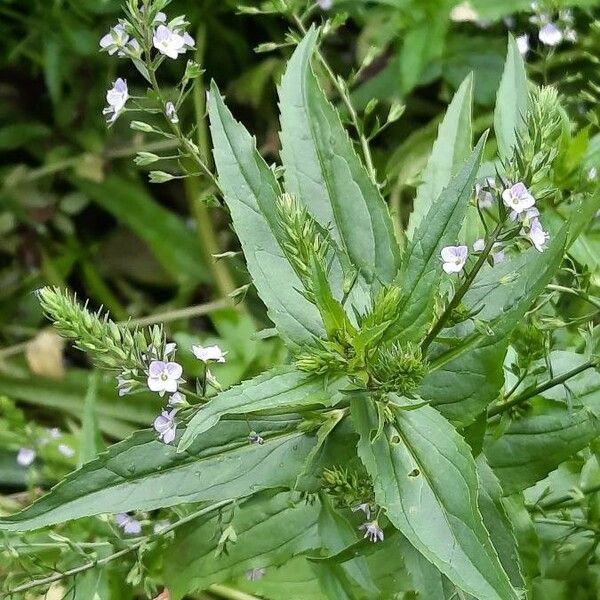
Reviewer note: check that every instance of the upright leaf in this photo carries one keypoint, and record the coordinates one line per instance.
(533, 446)
(323, 170)
(422, 269)
(283, 389)
(251, 191)
(142, 473)
(511, 100)
(426, 480)
(451, 148)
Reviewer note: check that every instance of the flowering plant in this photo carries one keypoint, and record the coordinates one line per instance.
(408, 422)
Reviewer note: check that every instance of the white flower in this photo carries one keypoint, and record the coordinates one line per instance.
(525, 216)
(550, 35)
(523, 44)
(171, 112)
(592, 174)
(115, 40)
(166, 426)
(255, 574)
(365, 508)
(518, 198)
(454, 258)
(485, 198)
(116, 97)
(26, 456)
(372, 531)
(160, 526)
(536, 235)
(478, 245)
(209, 354)
(164, 376)
(168, 42)
(570, 35)
(324, 4)
(128, 524)
(177, 399)
(66, 450)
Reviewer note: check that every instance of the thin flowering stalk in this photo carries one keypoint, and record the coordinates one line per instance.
(108, 559)
(462, 290)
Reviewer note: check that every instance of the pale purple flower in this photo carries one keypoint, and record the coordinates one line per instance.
(164, 376)
(255, 574)
(536, 235)
(365, 508)
(518, 198)
(254, 438)
(124, 385)
(324, 4)
(26, 456)
(454, 258)
(66, 450)
(115, 40)
(372, 531)
(171, 113)
(498, 254)
(166, 426)
(550, 35)
(478, 245)
(525, 216)
(523, 44)
(54, 433)
(128, 524)
(168, 42)
(116, 97)
(209, 354)
(177, 400)
(485, 198)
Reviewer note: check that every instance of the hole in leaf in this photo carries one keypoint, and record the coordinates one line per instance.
(414, 473)
(395, 439)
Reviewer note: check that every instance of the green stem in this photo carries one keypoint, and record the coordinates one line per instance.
(107, 559)
(579, 293)
(228, 593)
(566, 499)
(550, 383)
(464, 288)
(341, 90)
(180, 313)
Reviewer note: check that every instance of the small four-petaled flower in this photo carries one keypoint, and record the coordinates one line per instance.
(454, 258)
(26, 456)
(164, 376)
(536, 235)
(128, 524)
(373, 532)
(364, 507)
(171, 113)
(166, 426)
(518, 198)
(209, 354)
(116, 97)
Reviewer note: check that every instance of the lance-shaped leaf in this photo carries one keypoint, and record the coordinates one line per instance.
(511, 100)
(283, 390)
(533, 446)
(422, 267)
(323, 170)
(251, 191)
(270, 529)
(426, 480)
(464, 379)
(451, 148)
(142, 473)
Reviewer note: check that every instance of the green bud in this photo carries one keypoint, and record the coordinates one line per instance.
(141, 126)
(160, 177)
(145, 158)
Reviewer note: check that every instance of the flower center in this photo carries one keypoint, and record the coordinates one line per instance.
(164, 376)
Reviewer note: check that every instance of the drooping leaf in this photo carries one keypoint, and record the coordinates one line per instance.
(451, 148)
(284, 389)
(511, 100)
(91, 441)
(251, 191)
(422, 269)
(426, 480)
(534, 445)
(463, 381)
(270, 527)
(142, 473)
(323, 170)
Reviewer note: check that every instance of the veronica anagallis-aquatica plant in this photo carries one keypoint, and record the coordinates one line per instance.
(380, 437)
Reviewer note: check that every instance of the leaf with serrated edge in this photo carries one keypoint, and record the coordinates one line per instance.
(451, 148)
(142, 473)
(323, 170)
(251, 191)
(437, 508)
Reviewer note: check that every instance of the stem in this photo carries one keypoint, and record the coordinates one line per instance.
(464, 288)
(107, 559)
(566, 499)
(341, 90)
(550, 383)
(180, 313)
(229, 593)
(579, 293)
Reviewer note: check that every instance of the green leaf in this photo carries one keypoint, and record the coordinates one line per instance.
(511, 101)
(251, 192)
(422, 269)
(142, 473)
(271, 528)
(174, 244)
(282, 389)
(91, 440)
(426, 480)
(451, 148)
(464, 379)
(323, 170)
(533, 446)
